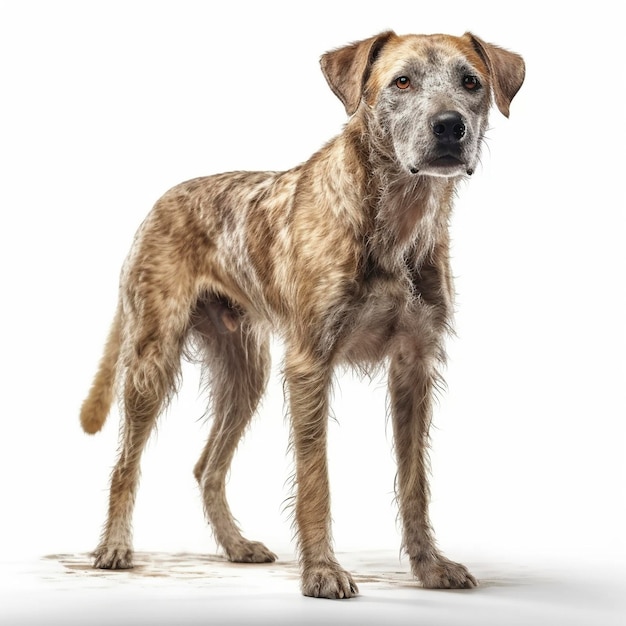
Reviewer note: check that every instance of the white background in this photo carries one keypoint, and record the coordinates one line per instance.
(103, 106)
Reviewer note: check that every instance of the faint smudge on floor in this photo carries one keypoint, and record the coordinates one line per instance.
(186, 566)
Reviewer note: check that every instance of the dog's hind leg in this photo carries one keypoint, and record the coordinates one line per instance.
(152, 362)
(237, 365)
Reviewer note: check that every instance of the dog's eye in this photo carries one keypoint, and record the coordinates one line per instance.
(471, 83)
(404, 82)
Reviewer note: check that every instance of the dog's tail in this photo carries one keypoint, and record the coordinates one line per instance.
(96, 406)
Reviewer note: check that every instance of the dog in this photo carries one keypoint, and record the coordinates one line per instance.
(346, 257)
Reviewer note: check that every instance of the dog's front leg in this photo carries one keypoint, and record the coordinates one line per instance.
(308, 381)
(411, 379)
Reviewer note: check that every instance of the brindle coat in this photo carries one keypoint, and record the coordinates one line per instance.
(346, 256)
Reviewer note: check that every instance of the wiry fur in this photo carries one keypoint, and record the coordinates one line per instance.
(346, 256)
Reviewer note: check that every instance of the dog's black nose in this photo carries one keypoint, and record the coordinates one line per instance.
(448, 127)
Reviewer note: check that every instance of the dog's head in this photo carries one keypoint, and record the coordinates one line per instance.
(428, 96)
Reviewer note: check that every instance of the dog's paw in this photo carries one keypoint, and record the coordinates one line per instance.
(113, 557)
(328, 580)
(250, 552)
(441, 573)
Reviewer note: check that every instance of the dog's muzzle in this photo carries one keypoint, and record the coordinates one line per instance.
(449, 130)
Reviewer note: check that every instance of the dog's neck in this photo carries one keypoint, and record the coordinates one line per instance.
(404, 212)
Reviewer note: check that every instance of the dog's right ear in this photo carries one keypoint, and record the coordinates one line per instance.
(347, 69)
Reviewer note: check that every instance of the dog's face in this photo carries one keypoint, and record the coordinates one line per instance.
(427, 96)
(431, 100)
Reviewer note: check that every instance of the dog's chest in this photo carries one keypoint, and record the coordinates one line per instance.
(386, 306)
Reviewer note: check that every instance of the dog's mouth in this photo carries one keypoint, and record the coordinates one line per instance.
(445, 161)
(444, 165)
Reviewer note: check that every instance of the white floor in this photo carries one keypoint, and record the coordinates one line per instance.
(186, 589)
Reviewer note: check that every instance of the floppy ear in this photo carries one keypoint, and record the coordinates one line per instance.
(506, 68)
(347, 69)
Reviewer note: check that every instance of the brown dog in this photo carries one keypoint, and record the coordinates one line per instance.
(346, 256)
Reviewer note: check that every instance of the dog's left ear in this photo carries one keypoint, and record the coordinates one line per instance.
(506, 68)
(347, 69)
